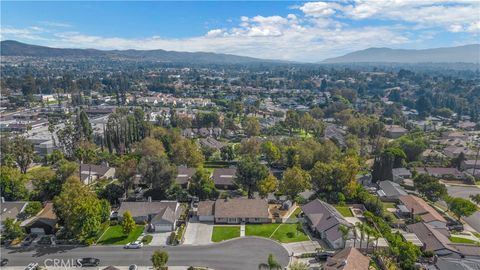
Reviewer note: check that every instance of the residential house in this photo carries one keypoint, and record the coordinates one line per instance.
(418, 207)
(446, 263)
(184, 176)
(234, 211)
(325, 220)
(470, 164)
(347, 259)
(11, 210)
(45, 222)
(400, 174)
(91, 173)
(161, 216)
(395, 131)
(212, 143)
(224, 178)
(436, 240)
(390, 191)
(454, 151)
(441, 172)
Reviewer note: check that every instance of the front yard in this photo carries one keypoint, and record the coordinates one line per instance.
(461, 240)
(221, 233)
(114, 235)
(285, 233)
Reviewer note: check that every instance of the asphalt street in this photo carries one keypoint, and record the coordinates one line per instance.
(239, 254)
(465, 192)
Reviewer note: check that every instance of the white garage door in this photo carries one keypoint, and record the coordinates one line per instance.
(163, 227)
(206, 218)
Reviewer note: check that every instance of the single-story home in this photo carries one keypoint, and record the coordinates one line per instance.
(234, 211)
(161, 216)
(91, 173)
(395, 131)
(224, 178)
(441, 172)
(470, 164)
(436, 240)
(325, 220)
(184, 176)
(390, 191)
(45, 222)
(418, 207)
(399, 174)
(347, 259)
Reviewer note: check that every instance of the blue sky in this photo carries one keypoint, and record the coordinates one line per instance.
(302, 31)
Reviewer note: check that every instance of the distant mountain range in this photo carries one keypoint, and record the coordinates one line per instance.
(460, 54)
(15, 48)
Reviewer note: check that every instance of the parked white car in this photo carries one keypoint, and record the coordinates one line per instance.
(134, 245)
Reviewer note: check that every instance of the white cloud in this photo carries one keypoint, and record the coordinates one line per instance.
(321, 30)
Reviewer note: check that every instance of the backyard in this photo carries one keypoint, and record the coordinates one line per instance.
(285, 233)
(344, 211)
(114, 235)
(221, 233)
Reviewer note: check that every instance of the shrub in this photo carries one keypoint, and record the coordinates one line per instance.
(147, 239)
(172, 240)
(290, 234)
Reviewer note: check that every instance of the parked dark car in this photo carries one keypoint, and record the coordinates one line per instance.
(323, 255)
(84, 262)
(3, 262)
(28, 240)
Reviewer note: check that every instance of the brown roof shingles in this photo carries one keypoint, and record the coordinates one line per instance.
(420, 207)
(348, 259)
(241, 208)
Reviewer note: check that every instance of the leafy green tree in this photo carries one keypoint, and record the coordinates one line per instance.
(128, 223)
(150, 147)
(157, 172)
(112, 193)
(335, 176)
(295, 180)
(186, 152)
(126, 172)
(159, 259)
(33, 208)
(249, 174)
(430, 187)
(46, 184)
(84, 128)
(475, 198)
(306, 122)
(292, 121)
(202, 185)
(461, 207)
(79, 209)
(251, 125)
(271, 264)
(271, 151)
(268, 185)
(227, 152)
(12, 229)
(12, 184)
(23, 152)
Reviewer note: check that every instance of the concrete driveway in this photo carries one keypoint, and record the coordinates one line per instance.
(198, 233)
(159, 238)
(302, 247)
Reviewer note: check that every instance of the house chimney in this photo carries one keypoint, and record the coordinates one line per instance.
(149, 198)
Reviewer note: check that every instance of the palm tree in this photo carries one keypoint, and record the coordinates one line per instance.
(344, 230)
(271, 264)
(368, 232)
(361, 227)
(375, 235)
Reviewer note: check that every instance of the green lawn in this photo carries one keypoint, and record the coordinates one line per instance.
(344, 211)
(387, 205)
(262, 230)
(286, 233)
(296, 212)
(455, 239)
(221, 233)
(115, 236)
